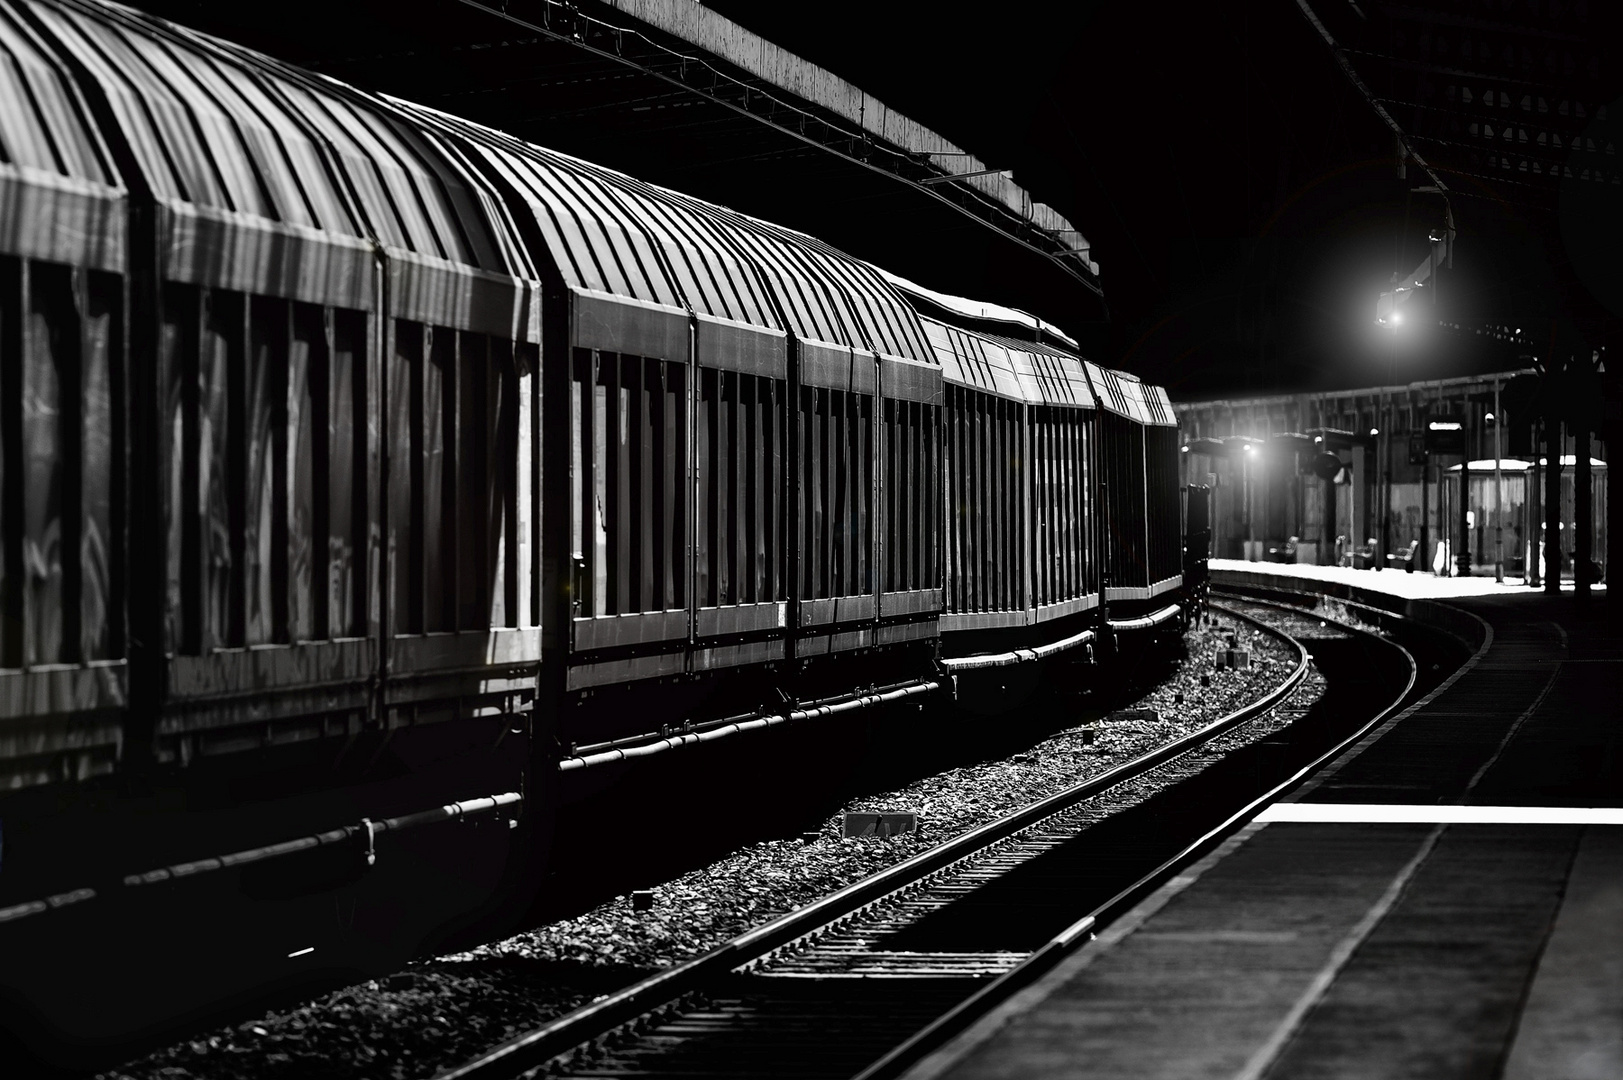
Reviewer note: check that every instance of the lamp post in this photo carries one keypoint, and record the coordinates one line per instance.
(1496, 418)
(1463, 558)
(1384, 494)
(1391, 319)
(1245, 467)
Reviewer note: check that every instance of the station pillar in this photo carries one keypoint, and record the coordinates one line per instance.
(1552, 505)
(1462, 558)
(1583, 512)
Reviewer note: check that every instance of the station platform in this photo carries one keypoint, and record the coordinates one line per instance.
(1444, 899)
(1419, 585)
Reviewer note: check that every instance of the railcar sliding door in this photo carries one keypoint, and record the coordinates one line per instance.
(910, 487)
(741, 434)
(987, 531)
(1162, 466)
(1163, 469)
(836, 469)
(630, 468)
(1062, 450)
(63, 401)
(1122, 456)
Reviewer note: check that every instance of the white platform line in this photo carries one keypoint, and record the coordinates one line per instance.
(1266, 1054)
(1401, 814)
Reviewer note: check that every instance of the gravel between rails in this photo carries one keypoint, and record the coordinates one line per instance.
(439, 1012)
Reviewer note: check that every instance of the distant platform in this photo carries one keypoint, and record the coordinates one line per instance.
(1420, 585)
(1444, 900)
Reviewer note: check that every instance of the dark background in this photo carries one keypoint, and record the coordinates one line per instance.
(1241, 195)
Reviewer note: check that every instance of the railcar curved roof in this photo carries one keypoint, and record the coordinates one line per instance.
(214, 126)
(63, 195)
(611, 233)
(883, 321)
(974, 360)
(977, 309)
(1127, 395)
(220, 127)
(43, 123)
(1056, 376)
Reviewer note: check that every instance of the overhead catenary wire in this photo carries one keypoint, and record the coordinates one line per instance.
(1062, 259)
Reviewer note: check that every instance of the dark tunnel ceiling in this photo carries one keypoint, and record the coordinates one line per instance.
(1241, 194)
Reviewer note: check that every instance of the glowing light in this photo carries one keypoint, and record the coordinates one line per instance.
(1397, 318)
(1374, 431)
(1445, 425)
(1488, 418)
(1250, 449)
(1186, 449)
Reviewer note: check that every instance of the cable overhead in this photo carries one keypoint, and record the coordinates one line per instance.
(578, 29)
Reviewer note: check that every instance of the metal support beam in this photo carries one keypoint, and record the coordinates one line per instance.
(987, 203)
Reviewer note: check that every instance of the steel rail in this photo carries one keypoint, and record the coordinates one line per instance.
(590, 1021)
(1079, 933)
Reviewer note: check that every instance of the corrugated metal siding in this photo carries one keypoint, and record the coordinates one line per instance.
(42, 121)
(276, 369)
(987, 521)
(62, 552)
(1121, 458)
(1163, 465)
(836, 455)
(1062, 452)
(1159, 406)
(278, 183)
(1019, 530)
(64, 200)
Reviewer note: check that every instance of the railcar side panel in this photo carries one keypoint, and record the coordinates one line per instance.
(911, 488)
(836, 468)
(741, 453)
(1164, 457)
(292, 222)
(63, 401)
(985, 521)
(1064, 417)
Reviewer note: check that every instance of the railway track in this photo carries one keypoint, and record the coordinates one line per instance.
(865, 981)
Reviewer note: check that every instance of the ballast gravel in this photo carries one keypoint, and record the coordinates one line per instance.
(438, 1013)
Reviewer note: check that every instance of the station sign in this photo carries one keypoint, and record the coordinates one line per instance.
(1445, 435)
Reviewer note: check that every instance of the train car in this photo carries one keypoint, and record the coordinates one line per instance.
(739, 448)
(268, 347)
(1034, 434)
(1018, 457)
(365, 469)
(1139, 465)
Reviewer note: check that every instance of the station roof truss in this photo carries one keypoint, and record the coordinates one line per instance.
(1508, 112)
(1492, 102)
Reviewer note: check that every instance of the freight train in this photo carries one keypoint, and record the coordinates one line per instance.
(365, 471)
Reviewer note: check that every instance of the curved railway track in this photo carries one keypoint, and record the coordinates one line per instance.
(872, 977)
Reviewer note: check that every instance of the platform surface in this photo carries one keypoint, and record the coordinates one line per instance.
(1444, 900)
(1421, 584)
